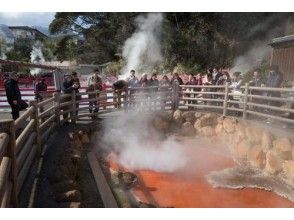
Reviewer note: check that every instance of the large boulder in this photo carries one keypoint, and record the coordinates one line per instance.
(283, 147)
(208, 119)
(256, 157)
(288, 169)
(273, 163)
(178, 117)
(266, 141)
(188, 129)
(198, 115)
(189, 116)
(229, 124)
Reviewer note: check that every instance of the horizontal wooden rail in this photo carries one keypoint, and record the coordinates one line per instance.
(270, 89)
(202, 92)
(7, 195)
(46, 112)
(201, 99)
(271, 107)
(23, 136)
(269, 98)
(62, 104)
(25, 168)
(202, 86)
(21, 157)
(4, 174)
(47, 122)
(4, 140)
(271, 116)
(24, 116)
(45, 102)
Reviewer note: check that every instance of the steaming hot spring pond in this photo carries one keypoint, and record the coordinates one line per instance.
(158, 161)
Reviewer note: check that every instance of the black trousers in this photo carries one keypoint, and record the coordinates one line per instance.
(15, 111)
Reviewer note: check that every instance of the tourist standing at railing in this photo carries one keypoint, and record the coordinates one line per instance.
(177, 78)
(191, 82)
(216, 74)
(119, 87)
(14, 96)
(154, 82)
(40, 89)
(67, 88)
(256, 82)
(76, 86)
(208, 82)
(164, 87)
(95, 85)
(133, 82)
(274, 80)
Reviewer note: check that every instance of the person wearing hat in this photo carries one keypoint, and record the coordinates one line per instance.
(14, 96)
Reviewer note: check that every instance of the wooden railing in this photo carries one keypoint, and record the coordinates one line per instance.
(22, 140)
(269, 103)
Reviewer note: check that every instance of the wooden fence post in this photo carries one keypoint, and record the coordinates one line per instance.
(126, 99)
(56, 96)
(245, 101)
(74, 107)
(175, 104)
(37, 125)
(8, 127)
(225, 104)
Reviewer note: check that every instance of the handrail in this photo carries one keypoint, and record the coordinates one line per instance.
(24, 116)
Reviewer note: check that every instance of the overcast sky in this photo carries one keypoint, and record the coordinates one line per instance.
(27, 18)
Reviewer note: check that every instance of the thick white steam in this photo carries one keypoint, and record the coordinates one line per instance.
(37, 56)
(251, 58)
(140, 146)
(142, 50)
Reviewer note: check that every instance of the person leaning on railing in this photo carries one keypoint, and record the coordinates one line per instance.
(95, 85)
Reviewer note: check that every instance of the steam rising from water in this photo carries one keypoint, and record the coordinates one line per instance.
(140, 146)
(142, 49)
(37, 57)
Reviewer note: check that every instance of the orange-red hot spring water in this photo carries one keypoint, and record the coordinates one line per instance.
(188, 186)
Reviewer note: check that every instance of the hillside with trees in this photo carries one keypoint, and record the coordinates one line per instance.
(193, 40)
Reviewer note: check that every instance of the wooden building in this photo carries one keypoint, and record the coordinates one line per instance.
(283, 56)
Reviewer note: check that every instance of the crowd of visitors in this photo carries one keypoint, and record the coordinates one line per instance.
(149, 86)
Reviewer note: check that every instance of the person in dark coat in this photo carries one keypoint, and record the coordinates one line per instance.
(118, 87)
(40, 88)
(275, 79)
(14, 96)
(176, 77)
(67, 88)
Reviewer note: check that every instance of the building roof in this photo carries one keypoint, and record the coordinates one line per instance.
(282, 41)
(28, 29)
(5, 31)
